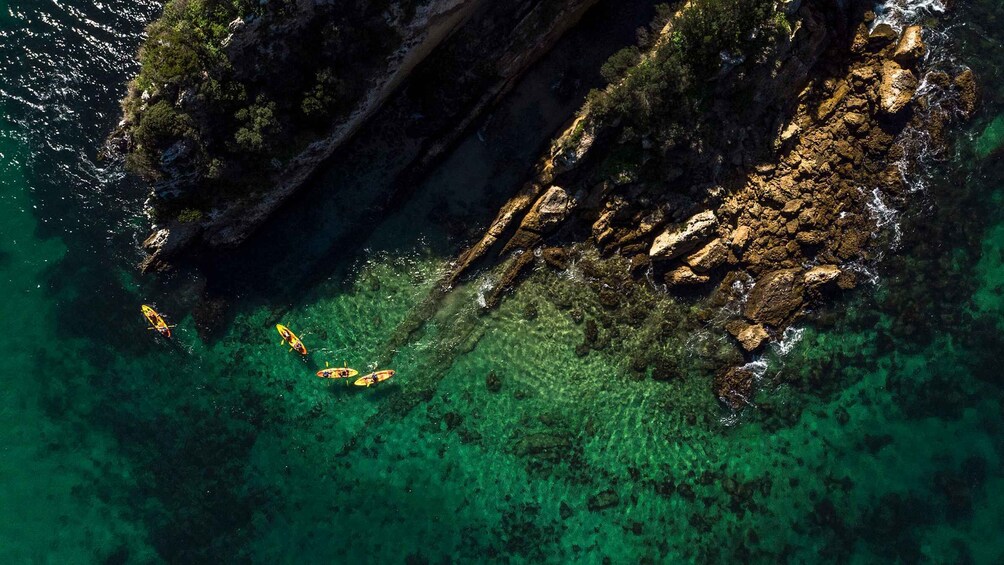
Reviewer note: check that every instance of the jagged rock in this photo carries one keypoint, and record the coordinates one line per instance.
(740, 238)
(678, 240)
(882, 35)
(546, 214)
(549, 211)
(968, 92)
(910, 48)
(830, 104)
(820, 275)
(734, 388)
(683, 275)
(855, 120)
(556, 257)
(897, 88)
(708, 257)
(750, 336)
(775, 297)
(603, 500)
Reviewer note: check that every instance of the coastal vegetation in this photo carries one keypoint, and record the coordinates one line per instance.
(228, 89)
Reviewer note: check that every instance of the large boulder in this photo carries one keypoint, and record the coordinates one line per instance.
(897, 88)
(549, 211)
(910, 48)
(546, 214)
(685, 276)
(821, 275)
(679, 239)
(776, 297)
(708, 257)
(750, 336)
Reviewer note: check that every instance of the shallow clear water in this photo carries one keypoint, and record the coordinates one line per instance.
(877, 436)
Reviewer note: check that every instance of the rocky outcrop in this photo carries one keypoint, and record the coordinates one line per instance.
(776, 297)
(911, 48)
(512, 35)
(897, 88)
(550, 210)
(677, 240)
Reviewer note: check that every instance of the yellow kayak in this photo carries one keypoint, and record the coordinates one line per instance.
(156, 321)
(290, 339)
(374, 378)
(337, 373)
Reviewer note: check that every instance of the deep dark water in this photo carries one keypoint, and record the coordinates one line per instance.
(876, 438)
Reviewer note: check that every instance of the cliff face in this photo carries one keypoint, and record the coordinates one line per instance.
(217, 177)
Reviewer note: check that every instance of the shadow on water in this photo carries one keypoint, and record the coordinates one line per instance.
(350, 208)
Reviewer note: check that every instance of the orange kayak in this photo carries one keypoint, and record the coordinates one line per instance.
(290, 339)
(374, 378)
(156, 321)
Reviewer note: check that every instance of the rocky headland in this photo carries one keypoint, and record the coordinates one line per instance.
(743, 153)
(766, 208)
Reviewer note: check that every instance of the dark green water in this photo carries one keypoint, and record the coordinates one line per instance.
(877, 436)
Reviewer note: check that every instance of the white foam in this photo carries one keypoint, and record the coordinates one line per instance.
(901, 13)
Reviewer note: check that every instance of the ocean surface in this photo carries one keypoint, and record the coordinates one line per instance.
(877, 436)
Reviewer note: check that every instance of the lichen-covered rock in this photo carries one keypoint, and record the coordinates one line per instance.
(678, 239)
(776, 297)
(910, 48)
(897, 88)
(549, 211)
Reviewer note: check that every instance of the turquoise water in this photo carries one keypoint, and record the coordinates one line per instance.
(876, 436)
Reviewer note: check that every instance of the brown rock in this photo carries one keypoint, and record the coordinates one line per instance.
(831, 103)
(897, 88)
(679, 239)
(910, 48)
(556, 257)
(881, 35)
(821, 275)
(854, 120)
(740, 238)
(684, 276)
(708, 257)
(550, 210)
(750, 336)
(968, 92)
(734, 388)
(775, 297)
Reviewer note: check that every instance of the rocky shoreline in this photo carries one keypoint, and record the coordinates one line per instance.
(440, 39)
(776, 228)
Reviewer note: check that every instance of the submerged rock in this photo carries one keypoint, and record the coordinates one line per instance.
(603, 500)
(734, 388)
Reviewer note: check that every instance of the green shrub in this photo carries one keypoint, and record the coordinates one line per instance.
(258, 123)
(189, 215)
(618, 64)
(160, 125)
